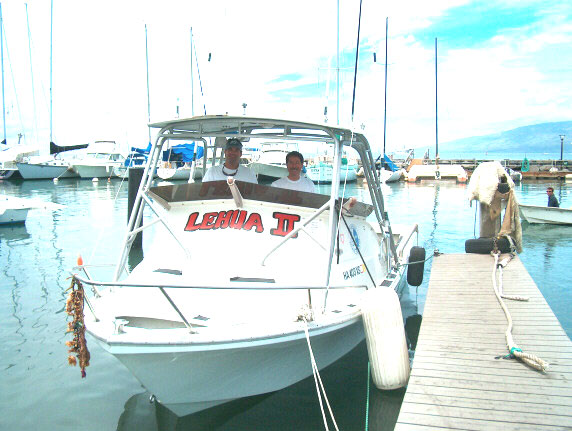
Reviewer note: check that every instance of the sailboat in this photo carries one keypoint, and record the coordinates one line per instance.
(437, 172)
(48, 166)
(388, 170)
(9, 154)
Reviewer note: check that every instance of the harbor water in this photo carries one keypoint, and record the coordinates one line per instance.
(39, 390)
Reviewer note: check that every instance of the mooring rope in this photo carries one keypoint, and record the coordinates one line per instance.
(318, 381)
(514, 351)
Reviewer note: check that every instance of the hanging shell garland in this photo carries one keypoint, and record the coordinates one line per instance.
(74, 308)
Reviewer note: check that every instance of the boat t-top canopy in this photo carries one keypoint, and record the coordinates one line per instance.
(223, 127)
(260, 128)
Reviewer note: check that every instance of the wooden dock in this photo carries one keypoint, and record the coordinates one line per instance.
(460, 380)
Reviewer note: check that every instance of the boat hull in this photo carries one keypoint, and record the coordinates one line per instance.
(13, 216)
(269, 171)
(32, 171)
(92, 171)
(182, 378)
(178, 173)
(388, 176)
(546, 215)
(322, 173)
(10, 174)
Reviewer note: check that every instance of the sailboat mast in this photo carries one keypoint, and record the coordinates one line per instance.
(192, 82)
(51, 67)
(147, 70)
(2, 60)
(338, 67)
(36, 134)
(436, 111)
(385, 94)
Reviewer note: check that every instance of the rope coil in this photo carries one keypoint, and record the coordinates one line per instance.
(78, 346)
(531, 360)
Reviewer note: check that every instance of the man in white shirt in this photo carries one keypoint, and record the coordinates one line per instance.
(231, 166)
(294, 180)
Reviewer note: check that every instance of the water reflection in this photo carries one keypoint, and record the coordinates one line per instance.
(545, 238)
(13, 233)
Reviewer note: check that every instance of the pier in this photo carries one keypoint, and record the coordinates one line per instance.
(460, 378)
(537, 169)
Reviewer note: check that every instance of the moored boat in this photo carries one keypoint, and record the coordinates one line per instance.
(546, 215)
(100, 160)
(13, 210)
(322, 171)
(241, 278)
(271, 163)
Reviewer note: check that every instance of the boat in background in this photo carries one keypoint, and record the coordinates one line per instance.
(515, 175)
(388, 176)
(423, 169)
(546, 215)
(13, 210)
(321, 171)
(10, 156)
(388, 171)
(180, 163)
(271, 163)
(52, 166)
(137, 158)
(100, 160)
(237, 322)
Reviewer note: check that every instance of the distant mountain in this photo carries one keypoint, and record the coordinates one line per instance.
(538, 138)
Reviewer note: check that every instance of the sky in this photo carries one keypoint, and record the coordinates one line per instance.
(500, 65)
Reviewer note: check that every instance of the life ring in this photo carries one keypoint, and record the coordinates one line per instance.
(415, 270)
(525, 165)
(486, 245)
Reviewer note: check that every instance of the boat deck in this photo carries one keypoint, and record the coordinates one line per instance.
(459, 378)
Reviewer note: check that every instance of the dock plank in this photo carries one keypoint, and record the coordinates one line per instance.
(460, 378)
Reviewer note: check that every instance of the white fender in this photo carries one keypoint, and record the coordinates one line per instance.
(385, 338)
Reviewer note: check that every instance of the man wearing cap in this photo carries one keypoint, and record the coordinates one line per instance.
(231, 166)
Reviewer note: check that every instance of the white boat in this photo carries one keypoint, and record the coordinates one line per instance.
(547, 215)
(515, 175)
(100, 160)
(10, 156)
(322, 171)
(45, 168)
(240, 277)
(388, 176)
(180, 161)
(271, 163)
(13, 210)
(136, 159)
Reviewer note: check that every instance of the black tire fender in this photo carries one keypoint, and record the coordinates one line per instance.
(486, 245)
(415, 270)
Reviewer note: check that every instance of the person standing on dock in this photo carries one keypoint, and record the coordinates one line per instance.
(552, 201)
